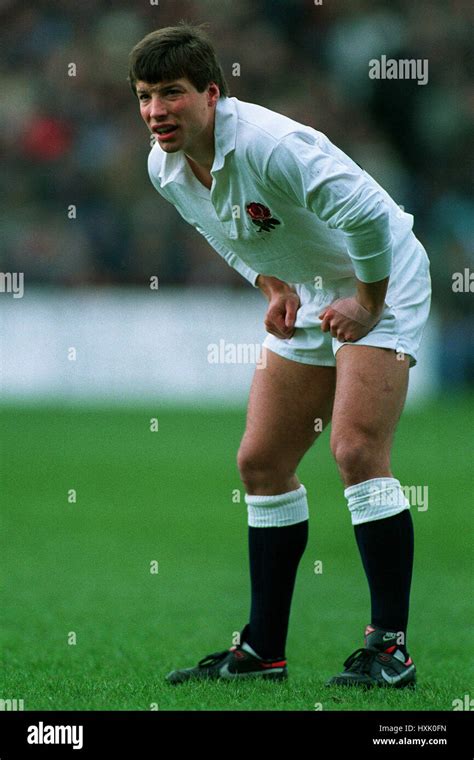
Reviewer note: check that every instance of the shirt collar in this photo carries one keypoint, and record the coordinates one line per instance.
(225, 135)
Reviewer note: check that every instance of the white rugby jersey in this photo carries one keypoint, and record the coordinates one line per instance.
(286, 202)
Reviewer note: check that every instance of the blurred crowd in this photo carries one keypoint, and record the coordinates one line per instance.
(78, 205)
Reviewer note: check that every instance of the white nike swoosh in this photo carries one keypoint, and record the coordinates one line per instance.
(396, 679)
(225, 673)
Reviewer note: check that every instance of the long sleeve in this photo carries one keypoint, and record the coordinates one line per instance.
(231, 258)
(315, 175)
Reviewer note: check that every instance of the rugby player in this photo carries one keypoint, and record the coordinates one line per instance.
(348, 290)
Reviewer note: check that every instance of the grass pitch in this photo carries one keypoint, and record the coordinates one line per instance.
(88, 623)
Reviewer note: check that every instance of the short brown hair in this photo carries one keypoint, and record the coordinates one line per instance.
(174, 52)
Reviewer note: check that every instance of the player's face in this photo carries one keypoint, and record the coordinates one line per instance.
(180, 117)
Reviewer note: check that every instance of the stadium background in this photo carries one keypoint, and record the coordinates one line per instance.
(82, 422)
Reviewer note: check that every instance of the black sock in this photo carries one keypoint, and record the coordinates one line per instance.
(386, 549)
(274, 555)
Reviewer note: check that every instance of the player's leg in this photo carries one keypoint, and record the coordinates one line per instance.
(370, 394)
(289, 404)
(371, 389)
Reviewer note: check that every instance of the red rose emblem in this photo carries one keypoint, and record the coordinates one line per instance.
(261, 216)
(258, 211)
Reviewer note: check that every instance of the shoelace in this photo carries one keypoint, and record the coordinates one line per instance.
(214, 658)
(361, 660)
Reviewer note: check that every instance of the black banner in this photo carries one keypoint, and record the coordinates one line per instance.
(146, 734)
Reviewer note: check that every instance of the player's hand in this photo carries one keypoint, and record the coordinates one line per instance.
(281, 314)
(283, 303)
(347, 320)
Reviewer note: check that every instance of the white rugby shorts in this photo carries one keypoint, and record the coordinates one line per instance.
(407, 306)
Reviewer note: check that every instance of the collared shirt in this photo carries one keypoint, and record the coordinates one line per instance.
(285, 201)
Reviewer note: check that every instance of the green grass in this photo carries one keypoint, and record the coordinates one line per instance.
(84, 567)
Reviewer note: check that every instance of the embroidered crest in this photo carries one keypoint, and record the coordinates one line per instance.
(261, 216)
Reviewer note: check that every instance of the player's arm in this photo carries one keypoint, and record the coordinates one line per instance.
(371, 295)
(307, 170)
(283, 300)
(231, 258)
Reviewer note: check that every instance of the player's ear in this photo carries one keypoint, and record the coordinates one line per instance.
(213, 93)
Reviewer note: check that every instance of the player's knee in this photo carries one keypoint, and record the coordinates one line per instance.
(355, 454)
(257, 469)
(252, 463)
